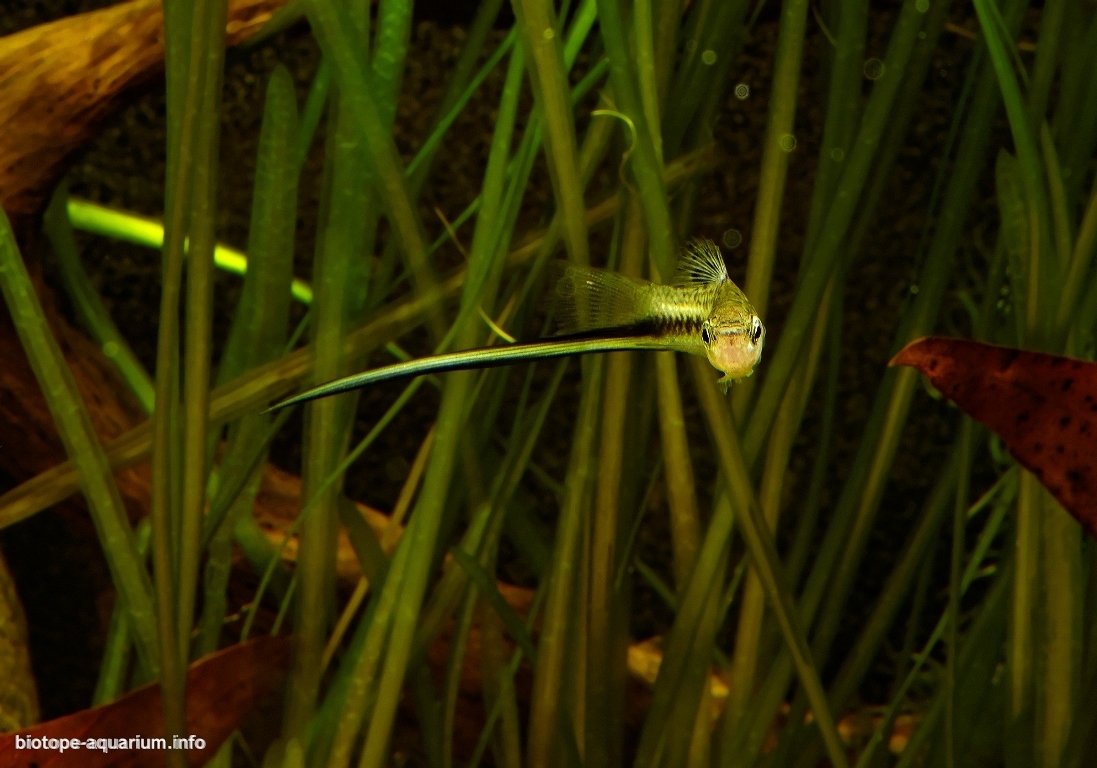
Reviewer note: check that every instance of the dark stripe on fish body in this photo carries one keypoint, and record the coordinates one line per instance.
(677, 326)
(632, 330)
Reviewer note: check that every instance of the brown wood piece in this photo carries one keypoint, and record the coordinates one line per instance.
(59, 81)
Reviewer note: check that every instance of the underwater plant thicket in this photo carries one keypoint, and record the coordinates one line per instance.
(750, 673)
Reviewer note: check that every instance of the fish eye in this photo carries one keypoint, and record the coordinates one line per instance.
(705, 337)
(755, 330)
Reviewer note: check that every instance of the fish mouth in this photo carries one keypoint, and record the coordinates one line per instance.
(735, 355)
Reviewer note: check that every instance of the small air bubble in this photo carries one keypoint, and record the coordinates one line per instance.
(742, 91)
(691, 46)
(732, 238)
(788, 142)
(914, 290)
(837, 155)
(549, 33)
(709, 57)
(922, 6)
(111, 349)
(921, 35)
(874, 69)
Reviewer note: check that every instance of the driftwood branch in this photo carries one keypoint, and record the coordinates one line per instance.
(60, 81)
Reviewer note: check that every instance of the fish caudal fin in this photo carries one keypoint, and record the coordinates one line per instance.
(589, 299)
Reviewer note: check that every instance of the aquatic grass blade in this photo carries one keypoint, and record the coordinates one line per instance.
(198, 312)
(976, 655)
(603, 725)
(194, 51)
(747, 642)
(340, 246)
(312, 112)
(548, 703)
(1043, 268)
(115, 666)
(421, 534)
(256, 337)
(778, 146)
(693, 625)
(332, 26)
(820, 266)
(82, 446)
(483, 581)
(644, 162)
(91, 312)
(536, 21)
(765, 558)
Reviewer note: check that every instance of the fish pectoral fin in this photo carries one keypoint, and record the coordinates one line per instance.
(728, 380)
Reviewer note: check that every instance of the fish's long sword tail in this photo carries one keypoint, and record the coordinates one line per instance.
(486, 357)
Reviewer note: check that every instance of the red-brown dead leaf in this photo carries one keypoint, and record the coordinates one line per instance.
(222, 689)
(1044, 407)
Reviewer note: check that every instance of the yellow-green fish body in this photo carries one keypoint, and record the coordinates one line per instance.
(704, 314)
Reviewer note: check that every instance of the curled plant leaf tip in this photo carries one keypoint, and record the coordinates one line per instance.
(1044, 407)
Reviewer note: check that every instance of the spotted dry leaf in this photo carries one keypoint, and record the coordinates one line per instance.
(1044, 407)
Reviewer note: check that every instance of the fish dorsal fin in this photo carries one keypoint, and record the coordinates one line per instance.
(702, 264)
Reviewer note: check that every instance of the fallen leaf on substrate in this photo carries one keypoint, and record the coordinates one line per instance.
(222, 689)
